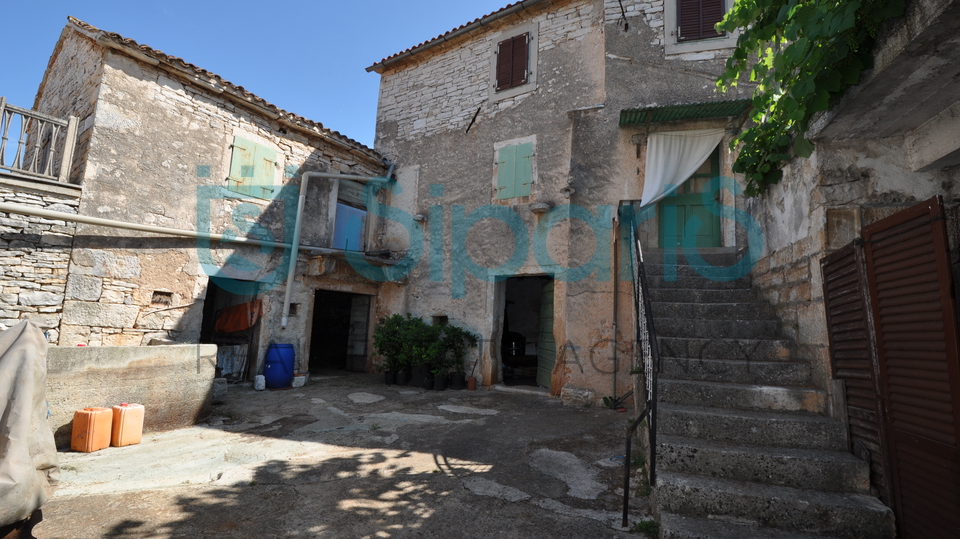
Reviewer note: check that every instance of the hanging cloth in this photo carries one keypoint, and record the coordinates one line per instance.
(239, 317)
(672, 157)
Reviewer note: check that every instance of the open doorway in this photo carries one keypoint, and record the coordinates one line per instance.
(340, 327)
(528, 350)
(231, 320)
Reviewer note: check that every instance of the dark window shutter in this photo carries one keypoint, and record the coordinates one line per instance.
(696, 19)
(512, 57)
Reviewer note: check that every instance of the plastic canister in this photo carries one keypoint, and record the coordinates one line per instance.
(278, 366)
(259, 382)
(91, 429)
(127, 424)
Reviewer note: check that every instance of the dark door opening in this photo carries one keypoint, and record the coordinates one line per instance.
(339, 337)
(528, 350)
(232, 322)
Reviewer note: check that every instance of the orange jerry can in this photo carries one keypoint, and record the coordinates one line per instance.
(127, 424)
(91, 429)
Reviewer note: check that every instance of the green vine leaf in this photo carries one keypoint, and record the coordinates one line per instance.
(803, 56)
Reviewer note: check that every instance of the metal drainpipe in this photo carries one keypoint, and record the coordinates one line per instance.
(616, 298)
(295, 247)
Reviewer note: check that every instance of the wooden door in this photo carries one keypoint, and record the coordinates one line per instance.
(546, 345)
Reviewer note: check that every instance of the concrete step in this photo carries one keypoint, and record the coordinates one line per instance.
(702, 295)
(788, 373)
(719, 256)
(693, 280)
(674, 526)
(717, 329)
(751, 427)
(705, 272)
(725, 348)
(715, 311)
(829, 471)
(741, 396)
(797, 510)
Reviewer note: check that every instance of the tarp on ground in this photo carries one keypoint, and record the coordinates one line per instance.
(29, 470)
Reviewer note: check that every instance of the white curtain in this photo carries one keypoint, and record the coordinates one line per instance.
(672, 157)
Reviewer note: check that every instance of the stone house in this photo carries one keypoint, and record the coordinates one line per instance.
(163, 143)
(531, 134)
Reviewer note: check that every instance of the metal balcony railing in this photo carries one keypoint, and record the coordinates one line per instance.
(34, 145)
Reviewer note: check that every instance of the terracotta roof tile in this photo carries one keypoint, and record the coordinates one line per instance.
(209, 78)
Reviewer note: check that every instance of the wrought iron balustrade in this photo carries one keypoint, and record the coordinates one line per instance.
(34, 145)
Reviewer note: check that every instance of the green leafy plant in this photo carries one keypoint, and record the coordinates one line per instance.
(403, 341)
(649, 528)
(803, 56)
(456, 341)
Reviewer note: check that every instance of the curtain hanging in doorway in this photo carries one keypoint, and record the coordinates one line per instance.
(672, 157)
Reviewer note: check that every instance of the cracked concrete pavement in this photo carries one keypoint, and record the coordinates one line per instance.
(346, 456)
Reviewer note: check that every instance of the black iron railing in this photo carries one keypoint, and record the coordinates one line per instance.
(649, 355)
(35, 145)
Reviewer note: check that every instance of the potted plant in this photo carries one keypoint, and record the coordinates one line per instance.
(390, 340)
(407, 344)
(455, 342)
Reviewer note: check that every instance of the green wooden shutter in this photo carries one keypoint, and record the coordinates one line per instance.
(251, 168)
(506, 172)
(524, 170)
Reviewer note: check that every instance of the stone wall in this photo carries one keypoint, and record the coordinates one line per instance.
(442, 89)
(34, 254)
(173, 383)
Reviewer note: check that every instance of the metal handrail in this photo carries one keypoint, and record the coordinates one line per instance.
(44, 145)
(650, 356)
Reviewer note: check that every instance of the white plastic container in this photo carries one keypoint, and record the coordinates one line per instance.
(259, 382)
(299, 379)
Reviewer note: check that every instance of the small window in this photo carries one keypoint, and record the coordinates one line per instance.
(512, 62)
(514, 171)
(350, 223)
(697, 19)
(252, 168)
(161, 299)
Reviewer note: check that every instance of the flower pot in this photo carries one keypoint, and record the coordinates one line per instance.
(417, 374)
(457, 381)
(440, 382)
(390, 377)
(472, 383)
(403, 377)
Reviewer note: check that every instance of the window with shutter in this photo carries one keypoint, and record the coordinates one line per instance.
(252, 169)
(696, 19)
(350, 222)
(514, 171)
(512, 62)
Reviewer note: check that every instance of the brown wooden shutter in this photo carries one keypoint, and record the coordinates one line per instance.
(696, 19)
(911, 288)
(853, 359)
(512, 58)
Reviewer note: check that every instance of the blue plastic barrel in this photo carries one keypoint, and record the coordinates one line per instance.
(278, 366)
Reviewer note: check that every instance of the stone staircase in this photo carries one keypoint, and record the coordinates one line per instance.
(744, 448)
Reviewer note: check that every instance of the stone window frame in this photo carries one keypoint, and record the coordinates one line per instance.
(533, 30)
(532, 139)
(672, 46)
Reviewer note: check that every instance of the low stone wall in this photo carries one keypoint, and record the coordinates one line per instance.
(174, 383)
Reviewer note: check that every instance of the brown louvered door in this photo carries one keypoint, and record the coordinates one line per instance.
(696, 19)
(853, 359)
(909, 275)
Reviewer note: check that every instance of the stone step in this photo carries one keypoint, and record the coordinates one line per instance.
(727, 348)
(715, 311)
(695, 281)
(717, 329)
(706, 272)
(786, 373)
(674, 526)
(741, 396)
(786, 508)
(830, 471)
(702, 295)
(719, 256)
(751, 427)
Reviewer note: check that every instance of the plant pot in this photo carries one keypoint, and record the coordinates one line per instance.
(417, 374)
(390, 377)
(403, 377)
(428, 381)
(440, 382)
(472, 383)
(457, 381)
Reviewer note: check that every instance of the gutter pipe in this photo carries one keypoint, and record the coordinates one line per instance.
(295, 247)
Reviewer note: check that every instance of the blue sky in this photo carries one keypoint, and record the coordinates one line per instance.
(308, 57)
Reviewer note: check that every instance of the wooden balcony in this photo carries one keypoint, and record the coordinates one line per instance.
(35, 146)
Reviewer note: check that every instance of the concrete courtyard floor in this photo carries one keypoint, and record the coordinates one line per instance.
(347, 456)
